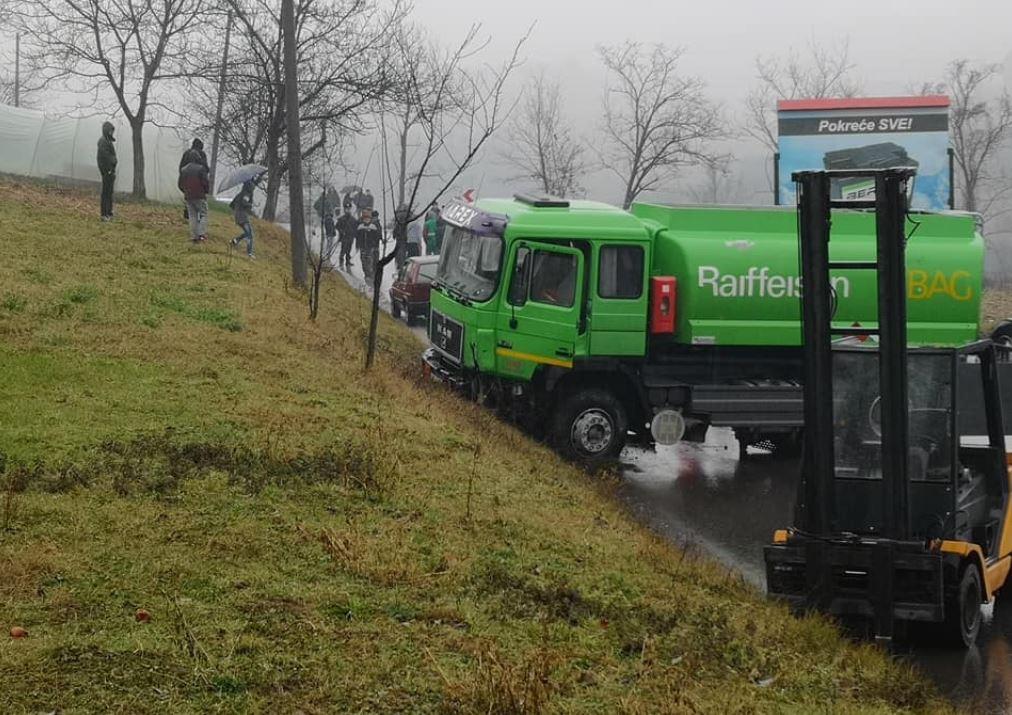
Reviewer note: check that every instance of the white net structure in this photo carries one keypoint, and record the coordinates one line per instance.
(63, 149)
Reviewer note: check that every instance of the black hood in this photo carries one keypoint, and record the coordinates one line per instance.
(107, 131)
(197, 144)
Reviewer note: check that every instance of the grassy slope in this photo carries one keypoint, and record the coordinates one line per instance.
(310, 538)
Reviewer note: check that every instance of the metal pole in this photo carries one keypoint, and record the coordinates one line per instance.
(776, 178)
(17, 70)
(296, 200)
(890, 213)
(221, 101)
(952, 178)
(813, 190)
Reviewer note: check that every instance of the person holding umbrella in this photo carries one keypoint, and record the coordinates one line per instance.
(242, 205)
(242, 210)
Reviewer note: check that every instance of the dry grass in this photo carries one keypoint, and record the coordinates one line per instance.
(311, 538)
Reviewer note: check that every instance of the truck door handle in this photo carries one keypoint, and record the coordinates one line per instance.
(505, 344)
(564, 352)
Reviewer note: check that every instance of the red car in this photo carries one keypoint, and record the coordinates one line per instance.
(409, 295)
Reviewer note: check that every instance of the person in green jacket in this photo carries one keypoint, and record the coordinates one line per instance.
(107, 168)
(433, 240)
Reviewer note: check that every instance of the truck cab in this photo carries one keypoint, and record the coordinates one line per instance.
(536, 297)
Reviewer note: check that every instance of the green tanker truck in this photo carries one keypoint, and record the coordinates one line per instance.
(592, 325)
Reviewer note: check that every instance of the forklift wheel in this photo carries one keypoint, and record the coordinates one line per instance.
(962, 609)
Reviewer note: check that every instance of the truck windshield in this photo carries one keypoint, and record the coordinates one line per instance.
(469, 263)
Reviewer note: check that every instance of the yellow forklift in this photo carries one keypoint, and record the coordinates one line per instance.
(903, 505)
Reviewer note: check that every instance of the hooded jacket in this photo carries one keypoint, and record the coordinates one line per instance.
(194, 155)
(193, 181)
(242, 204)
(106, 150)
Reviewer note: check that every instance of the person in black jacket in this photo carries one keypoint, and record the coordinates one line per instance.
(194, 155)
(369, 235)
(107, 168)
(347, 226)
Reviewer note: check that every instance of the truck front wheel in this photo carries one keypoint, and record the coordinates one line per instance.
(589, 426)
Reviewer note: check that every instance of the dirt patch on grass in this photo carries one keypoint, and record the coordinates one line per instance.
(23, 571)
(159, 464)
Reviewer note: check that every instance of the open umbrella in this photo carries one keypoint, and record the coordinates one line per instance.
(249, 172)
(351, 189)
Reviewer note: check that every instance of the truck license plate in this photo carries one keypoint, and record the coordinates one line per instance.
(446, 335)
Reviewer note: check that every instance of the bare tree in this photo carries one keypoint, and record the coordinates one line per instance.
(320, 252)
(457, 110)
(541, 144)
(824, 71)
(340, 52)
(125, 46)
(718, 185)
(979, 126)
(655, 120)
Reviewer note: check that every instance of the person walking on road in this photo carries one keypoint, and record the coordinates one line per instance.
(242, 210)
(347, 226)
(368, 237)
(432, 238)
(193, 182)
(330, 231)
(107, 168)
(414, 245)
(400, 236)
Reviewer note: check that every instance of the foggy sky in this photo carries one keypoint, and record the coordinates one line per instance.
(896, 44)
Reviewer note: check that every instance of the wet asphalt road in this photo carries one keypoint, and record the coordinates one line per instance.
(702, 494)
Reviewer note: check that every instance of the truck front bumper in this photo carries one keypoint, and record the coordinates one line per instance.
(436, 366)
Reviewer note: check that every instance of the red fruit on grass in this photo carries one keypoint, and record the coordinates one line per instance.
(18, 632)
(142, 616)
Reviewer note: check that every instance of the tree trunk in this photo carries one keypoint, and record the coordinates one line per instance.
(403, 174)
(377, 286)
(295, 197)
(140, 190)
(273, 188)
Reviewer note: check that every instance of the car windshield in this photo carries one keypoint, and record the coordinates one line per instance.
(469, 262)
(427, 272)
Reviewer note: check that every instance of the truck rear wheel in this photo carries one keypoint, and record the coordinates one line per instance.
(589, 426)
(962, 609)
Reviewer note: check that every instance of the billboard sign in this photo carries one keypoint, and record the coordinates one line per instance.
(867, 133)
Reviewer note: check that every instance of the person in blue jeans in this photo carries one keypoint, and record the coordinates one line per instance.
(242, 209)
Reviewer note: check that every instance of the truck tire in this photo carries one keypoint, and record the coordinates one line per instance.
(589, 426)
(962, 609)
(395, 309)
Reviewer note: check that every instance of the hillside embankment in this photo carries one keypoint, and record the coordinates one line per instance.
(208, 505)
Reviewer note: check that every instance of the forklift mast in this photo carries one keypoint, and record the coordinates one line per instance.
(815, 206)
(905, 516)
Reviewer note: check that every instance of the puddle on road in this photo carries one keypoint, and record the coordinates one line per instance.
(703, 494)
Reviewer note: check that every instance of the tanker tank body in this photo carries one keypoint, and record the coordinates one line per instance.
(736, 346)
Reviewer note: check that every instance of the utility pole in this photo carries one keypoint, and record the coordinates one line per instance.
(221, 101)
(17, 70)
(295, 196)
